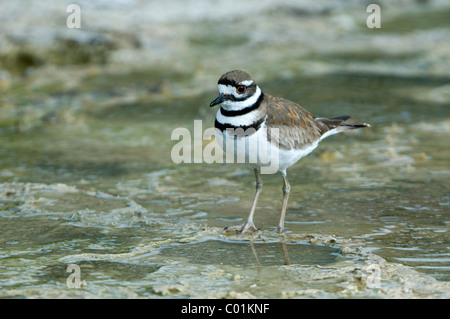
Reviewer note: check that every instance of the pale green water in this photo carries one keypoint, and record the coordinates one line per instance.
(86, 178)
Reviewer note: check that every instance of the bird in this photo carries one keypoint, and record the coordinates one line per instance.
(270, 130)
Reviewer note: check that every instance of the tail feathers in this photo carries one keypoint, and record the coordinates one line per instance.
(346, 126)
(337, 125)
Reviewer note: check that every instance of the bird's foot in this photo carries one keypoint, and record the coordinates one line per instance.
(242, 229)
(280, 229)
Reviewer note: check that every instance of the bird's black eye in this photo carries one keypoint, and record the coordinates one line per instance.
(241, 89)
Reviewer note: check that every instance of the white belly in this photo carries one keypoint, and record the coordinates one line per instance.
(255, 149)
(288, 158)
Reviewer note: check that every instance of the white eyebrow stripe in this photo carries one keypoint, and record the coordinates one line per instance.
(246, 82)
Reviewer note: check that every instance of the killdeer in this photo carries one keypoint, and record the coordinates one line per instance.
(284, 128)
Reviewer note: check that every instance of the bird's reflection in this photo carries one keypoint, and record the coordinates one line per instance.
(252, 253)
(287, 260)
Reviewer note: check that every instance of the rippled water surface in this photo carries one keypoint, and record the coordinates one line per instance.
(86, 175)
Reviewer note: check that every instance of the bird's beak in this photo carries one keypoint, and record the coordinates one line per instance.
(219, 100)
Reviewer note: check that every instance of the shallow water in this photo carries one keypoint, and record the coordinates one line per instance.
(86, 176)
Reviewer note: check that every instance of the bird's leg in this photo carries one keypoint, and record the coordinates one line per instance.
(286, 191)
(249, 225)
(259, 184)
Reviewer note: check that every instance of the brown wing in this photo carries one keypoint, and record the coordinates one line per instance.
(297, 127)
